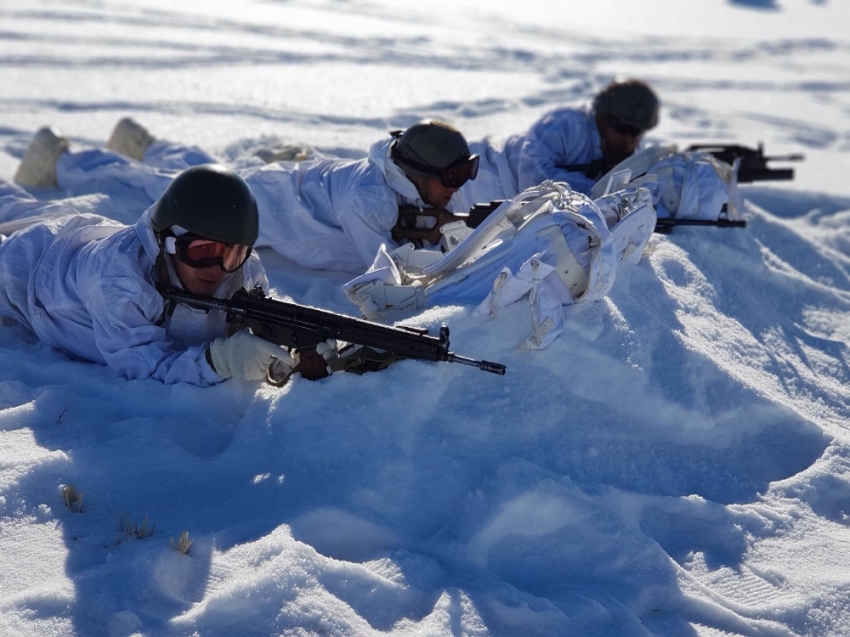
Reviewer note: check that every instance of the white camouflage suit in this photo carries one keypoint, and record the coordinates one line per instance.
(85, 284)
(559, 138)
(332, 214)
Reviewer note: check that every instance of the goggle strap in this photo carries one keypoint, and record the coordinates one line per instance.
(410, 163)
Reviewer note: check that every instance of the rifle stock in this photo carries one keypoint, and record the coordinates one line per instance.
(298, 326)
(407, 226)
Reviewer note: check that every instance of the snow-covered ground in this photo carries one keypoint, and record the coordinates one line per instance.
(676, 464)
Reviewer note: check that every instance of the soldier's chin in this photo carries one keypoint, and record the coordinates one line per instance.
(616, 155)
(204, 288)
(611, 151)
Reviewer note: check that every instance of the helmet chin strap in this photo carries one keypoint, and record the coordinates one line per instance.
(161, 271)
(162, 281)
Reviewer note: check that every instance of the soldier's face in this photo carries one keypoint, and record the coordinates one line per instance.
(616, 145)
(202, 282)
(435, 193)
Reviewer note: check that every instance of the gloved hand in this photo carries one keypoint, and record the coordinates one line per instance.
(246, 356)
(329, 351)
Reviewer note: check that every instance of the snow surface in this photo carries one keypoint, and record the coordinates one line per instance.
(677, 464)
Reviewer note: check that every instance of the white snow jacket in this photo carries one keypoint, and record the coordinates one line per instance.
(559, 138)
(85, 284)
(331, 214)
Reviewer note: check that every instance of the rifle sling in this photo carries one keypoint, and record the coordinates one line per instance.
(367, 359)
(313, 367)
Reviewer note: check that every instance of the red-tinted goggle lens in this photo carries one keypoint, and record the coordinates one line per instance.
(458, 173)
(623, 128)
(201, 253)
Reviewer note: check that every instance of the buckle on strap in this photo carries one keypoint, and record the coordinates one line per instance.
(567, 268)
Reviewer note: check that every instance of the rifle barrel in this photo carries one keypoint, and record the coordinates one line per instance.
(746, 176)
(718, 223)
(484, 366)
(791, 157)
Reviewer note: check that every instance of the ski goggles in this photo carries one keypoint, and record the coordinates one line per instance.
(452, 176)
(623, 128)
(200, 253)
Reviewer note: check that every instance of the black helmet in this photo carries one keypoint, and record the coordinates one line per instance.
(210, 201)
(433, 148)
(630, 102)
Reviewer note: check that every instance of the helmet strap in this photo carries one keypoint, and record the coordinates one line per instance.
(162, 281)
(161, 273)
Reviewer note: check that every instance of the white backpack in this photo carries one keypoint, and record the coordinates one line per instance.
(684, 185)
(548, 245)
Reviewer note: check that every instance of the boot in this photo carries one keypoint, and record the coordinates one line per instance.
(129, 138)
(38, 167)
(283, 151)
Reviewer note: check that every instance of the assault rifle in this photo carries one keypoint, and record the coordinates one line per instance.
(753, 163)
(298, 326)
(407, 228)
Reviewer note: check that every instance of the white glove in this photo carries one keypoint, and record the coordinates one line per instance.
(245, 356)
(328, 350)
